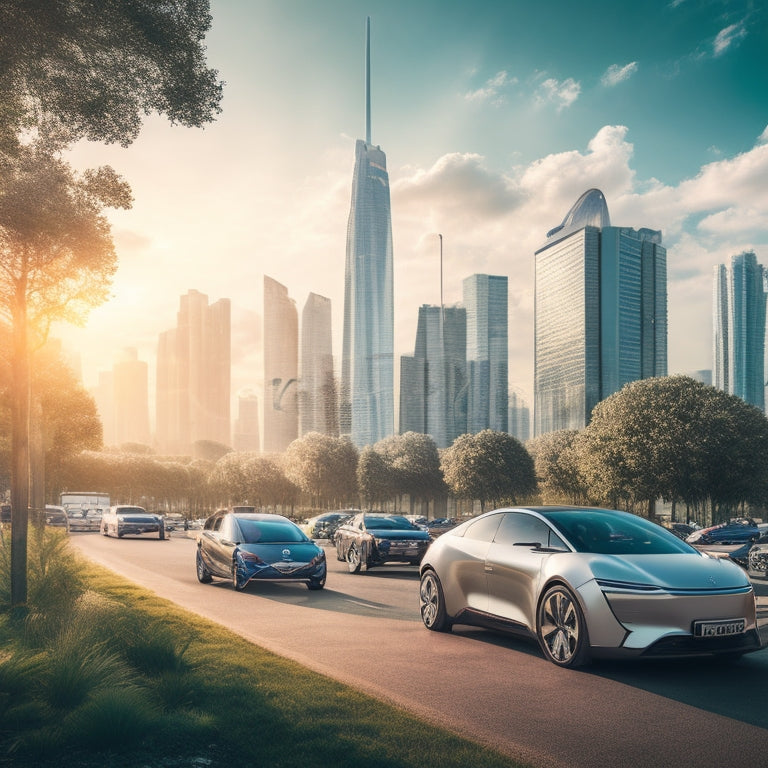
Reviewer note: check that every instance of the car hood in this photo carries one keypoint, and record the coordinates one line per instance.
(398, 535)
(674, 571)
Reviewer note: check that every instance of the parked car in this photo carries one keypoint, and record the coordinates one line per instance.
(586, 583)
(681, 530)
(324, 526)
(370, 539)
(753, 556)
(56, 517)
(84, 520)
(128, 520)
(737, 531)
(439, 526)
(249, 546)
(5, 513)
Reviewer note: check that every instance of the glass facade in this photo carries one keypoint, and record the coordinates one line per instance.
(486, 300)
(367, 376)
(600, 313)
(739, 307)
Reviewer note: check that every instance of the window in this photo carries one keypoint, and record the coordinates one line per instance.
(484, 528)
(519, 528)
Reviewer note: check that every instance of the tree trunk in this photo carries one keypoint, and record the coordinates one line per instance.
(19, 453)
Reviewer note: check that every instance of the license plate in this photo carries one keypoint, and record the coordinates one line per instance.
(719, 628)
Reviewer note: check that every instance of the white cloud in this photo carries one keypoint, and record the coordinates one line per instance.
(561, 94)
(729, 36)
(491, 90)
(763, 138)
(616, 74)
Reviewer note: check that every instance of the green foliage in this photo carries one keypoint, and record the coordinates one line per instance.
(489, 466)
(251, 478)
(556, 457)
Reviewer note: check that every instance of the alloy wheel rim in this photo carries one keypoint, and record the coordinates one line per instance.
(560, 626)
(428, 594)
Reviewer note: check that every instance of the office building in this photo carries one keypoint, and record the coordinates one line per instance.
(246, 432)
(366, 409)
(519, 418)
(318, 396)
(739, 303)
(433, 381)
(194, 376)
(281, 367)
(600, 313)
(485, 300)
(130, 398)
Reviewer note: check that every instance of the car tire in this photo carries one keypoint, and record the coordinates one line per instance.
(316, 584)
(203, 574)
(235, 581)
(562, 629)
(161, 533)
(432, 603)
(339, 556)
(353, 559)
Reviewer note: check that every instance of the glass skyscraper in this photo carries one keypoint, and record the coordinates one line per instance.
(600, 313)
(433, 387)
(366, 410)
(739, 304)
(485, 299)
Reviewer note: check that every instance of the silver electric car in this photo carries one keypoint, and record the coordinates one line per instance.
(587, 583)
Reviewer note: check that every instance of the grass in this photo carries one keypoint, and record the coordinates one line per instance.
(117, 676)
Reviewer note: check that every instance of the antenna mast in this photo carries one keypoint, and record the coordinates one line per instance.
(368, 80)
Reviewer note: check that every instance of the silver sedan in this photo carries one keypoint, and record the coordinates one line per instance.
(587, 583)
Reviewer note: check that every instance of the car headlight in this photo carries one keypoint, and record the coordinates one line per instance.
(612, 585)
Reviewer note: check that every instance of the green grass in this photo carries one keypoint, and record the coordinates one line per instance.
(130, 680)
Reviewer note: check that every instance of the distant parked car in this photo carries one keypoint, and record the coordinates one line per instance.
(324, 526)
(56, 517)
(737, 531)
(5, 513)
(753, 556)
(84, 520)
(370, 539)
(249, 546)
(127, 520)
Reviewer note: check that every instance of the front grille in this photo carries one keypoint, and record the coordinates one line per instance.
(686, 645)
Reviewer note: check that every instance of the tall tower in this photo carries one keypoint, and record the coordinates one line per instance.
(281, 367)
(600, 313)
(367, 372)
(485, 298)
(318, 410)
(739, 307)
(130, 378)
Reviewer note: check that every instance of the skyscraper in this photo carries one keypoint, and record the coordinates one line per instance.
(485, 299)
(246, 431)
(194, 375)
(739, 304)
(318, 399)
(600, 313)
(519, 418)
(433, 387)
(281, 367)
(130, 377)
(367, 374)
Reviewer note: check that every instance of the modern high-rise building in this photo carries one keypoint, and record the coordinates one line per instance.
(194, 376)
(318, 395)
(281, 367)
(486, 299)
(433, 382)
(519, 418)
(130, 382)
(739, 304)
(246, 431)
(366, 409)
(600, 313)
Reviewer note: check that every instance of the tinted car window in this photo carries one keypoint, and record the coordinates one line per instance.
(266, 531)
(388, 523)
(604, 533)
(483, 529)
(517, 528)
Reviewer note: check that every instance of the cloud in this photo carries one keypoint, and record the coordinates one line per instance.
(728, 37)
(490, 91)
(561, 94)
(616, 74)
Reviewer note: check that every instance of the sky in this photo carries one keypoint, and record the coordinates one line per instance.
(494, 117)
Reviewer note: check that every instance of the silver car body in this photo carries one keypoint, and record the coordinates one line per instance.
(656, 596)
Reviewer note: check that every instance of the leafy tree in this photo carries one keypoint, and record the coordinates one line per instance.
(557, 463)
(489, 466)
(324, 467)
(375, 477)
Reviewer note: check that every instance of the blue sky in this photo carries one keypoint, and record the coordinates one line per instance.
(495, 117)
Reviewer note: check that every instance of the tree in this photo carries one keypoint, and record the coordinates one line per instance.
(375, 477)
(489, 466)
(324, 467)
(93, 69)
(557, 464)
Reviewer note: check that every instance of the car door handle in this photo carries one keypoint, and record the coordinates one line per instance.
(488, 568)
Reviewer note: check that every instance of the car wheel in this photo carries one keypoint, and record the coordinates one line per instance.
(203, 574)
(161, 533)
(236, 583)
(104, 530)
(353, 559)
(316, 584)
(561, 628)
(339, 556)
(432, 603)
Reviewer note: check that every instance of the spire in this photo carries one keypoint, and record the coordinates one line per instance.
(368, 80)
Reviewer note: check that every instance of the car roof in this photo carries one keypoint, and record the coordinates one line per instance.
(261, 516)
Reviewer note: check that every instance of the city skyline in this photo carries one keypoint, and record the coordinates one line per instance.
(491, 129)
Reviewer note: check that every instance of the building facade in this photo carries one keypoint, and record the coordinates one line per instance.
(246, 431)
(486, 300)
(519, 418)
(318, 397)
(366, 409)
(281, 367)
(600, 313)
(739, 306)
(194, 376)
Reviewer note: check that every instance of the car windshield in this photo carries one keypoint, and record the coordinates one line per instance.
(388, 523)
(606, 533)
(269, 532)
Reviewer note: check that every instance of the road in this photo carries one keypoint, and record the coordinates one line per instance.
(365, 630)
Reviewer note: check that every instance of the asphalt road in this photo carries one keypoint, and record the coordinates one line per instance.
(365, 630)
